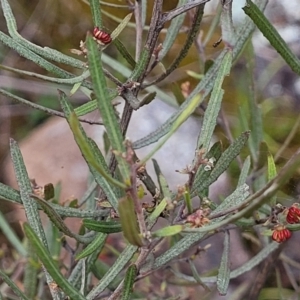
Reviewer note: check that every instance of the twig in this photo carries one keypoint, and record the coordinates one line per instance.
(139, 28)
(180, 10)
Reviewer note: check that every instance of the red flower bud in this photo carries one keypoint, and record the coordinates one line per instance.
(293, 215)
(102, 36)
(281, 234)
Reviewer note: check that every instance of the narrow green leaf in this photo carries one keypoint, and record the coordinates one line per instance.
(13, 286)
(148, 98)
(162, 181)
(113, 272)
(112, 192)
(10, 234)
(272, 172)
(121, 26)
(224, 269)
(168, 231)
(31, 208)
(26, 53)
(31, 272)
(214, 104)
(129, 221)
(188, 201)
(103, 226)
(172, 32)
(95, 245)
(237, 197)
(177, 92)
(124, 52)
(158, 210)
(92, 105)
(9, 194)
(141, 65)
(256, 123)
(244, 171)
(58, 221)
(272, 35)
(85, 146)
(50, 265)
(131, 273)
(196, 275)
(38, 107)
(96, 12)
(254, 261)
(228, 30)
(46, 52)
(106, 109)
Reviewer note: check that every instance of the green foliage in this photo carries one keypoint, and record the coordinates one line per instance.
(121, 210)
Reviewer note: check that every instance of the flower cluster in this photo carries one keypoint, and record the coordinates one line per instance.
(198, 218)
(293, 215)
(281, 233)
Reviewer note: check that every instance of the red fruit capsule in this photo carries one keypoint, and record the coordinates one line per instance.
(293, 215)
(281, 234)
(102, 36)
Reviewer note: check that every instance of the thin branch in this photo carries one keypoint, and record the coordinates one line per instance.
(180, 10)
(139, 28)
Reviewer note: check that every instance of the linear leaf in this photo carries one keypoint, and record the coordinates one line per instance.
(244, 171)
(113, 272)
(121, 26)
(168, 231)
(10, 234)
(96, 12)
(172, 32)
(246, 267)
(95, 245)
(31, 208)
(9, 194)
(46, 52)
(272, 172)
(129, 221)
(214, 104)
(26, 53)
(40, 107)
(272, 35)
(92, 105)
(50, 265)
(31, 272)
(58, 221)
(106, 109)
(91, 153)
(103, 226)
(131, 273)
(13, 286)
(224, 269)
